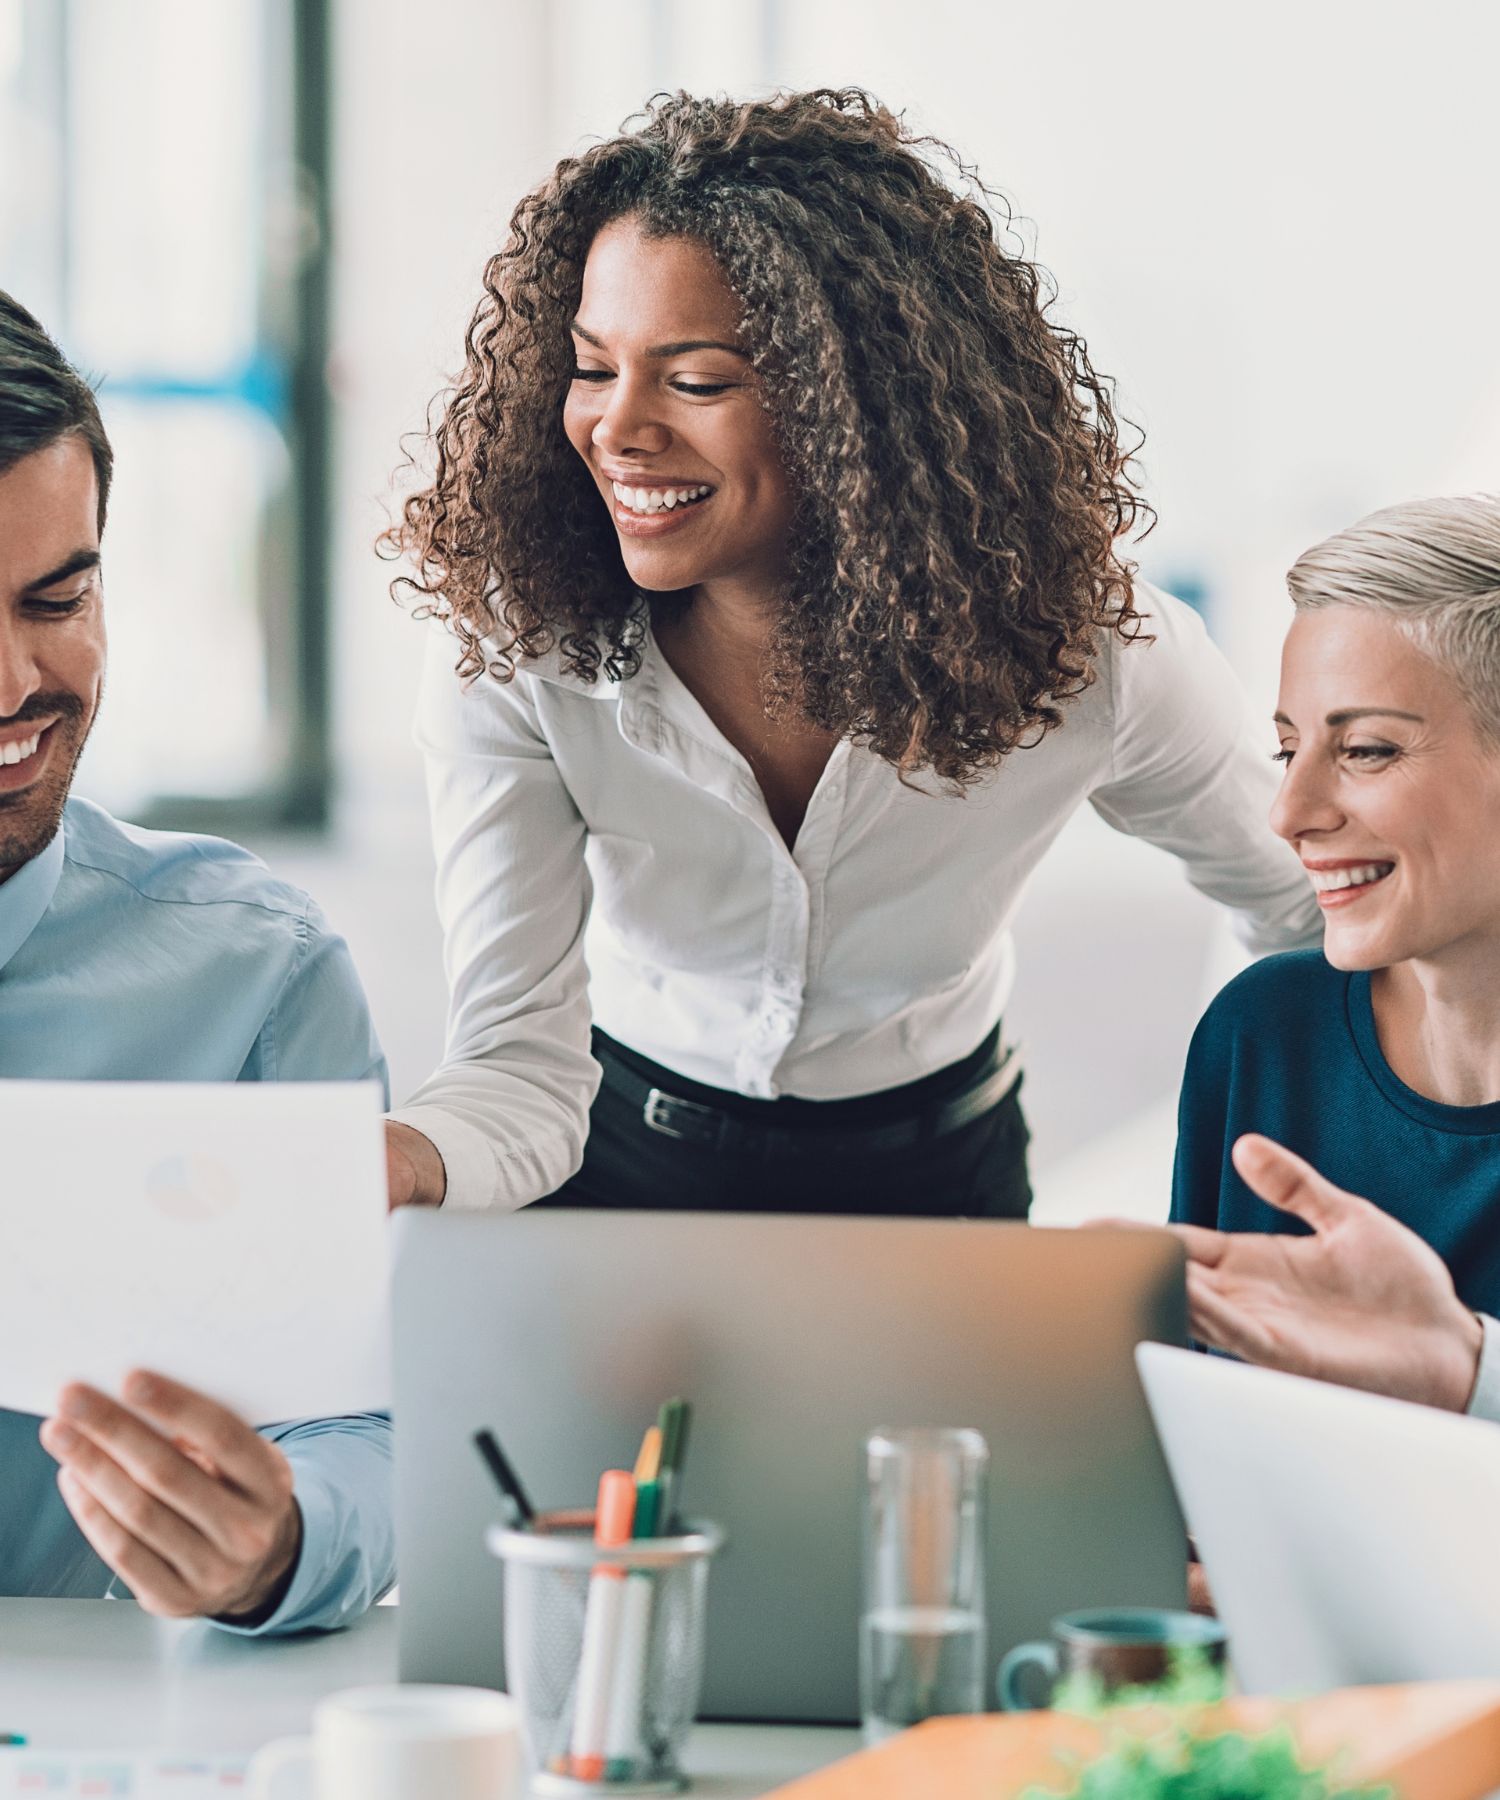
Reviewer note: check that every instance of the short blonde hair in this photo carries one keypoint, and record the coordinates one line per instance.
(1433, 565)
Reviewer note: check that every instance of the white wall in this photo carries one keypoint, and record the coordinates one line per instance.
(1274, 225)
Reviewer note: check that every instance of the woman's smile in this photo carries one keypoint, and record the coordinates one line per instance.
(1343, 883)
(651, 505)
(653, 523)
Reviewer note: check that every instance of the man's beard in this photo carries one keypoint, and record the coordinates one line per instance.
(30, 817)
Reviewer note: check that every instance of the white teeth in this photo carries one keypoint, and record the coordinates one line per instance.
(1325, 881)
(19, 750)
(655, 500)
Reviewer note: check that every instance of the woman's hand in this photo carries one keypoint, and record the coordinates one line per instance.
(414, 1171)
(1362, 1301)
(188, 1505)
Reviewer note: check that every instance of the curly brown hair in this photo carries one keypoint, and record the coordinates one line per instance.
(959, 478)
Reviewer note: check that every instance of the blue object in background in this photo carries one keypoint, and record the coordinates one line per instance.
(1192, 588)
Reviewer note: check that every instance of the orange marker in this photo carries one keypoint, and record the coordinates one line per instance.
(649, 1460)
(613, 1520)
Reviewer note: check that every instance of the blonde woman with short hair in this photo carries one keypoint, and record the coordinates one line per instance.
(1377, 1060)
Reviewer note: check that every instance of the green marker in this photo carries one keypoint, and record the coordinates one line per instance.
(647, 1500)
(674, 1420)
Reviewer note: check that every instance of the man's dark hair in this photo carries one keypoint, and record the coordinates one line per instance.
(43, 397)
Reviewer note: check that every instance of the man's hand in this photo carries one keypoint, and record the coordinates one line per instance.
(414, 1171)
(191, 1508)
(1363, 1301)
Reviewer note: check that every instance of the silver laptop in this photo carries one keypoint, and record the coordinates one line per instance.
(793, 1337)
(1348, 1539)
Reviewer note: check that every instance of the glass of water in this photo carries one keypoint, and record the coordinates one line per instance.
(922, 1632)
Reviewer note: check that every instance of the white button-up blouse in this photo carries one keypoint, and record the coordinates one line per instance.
(603, 852)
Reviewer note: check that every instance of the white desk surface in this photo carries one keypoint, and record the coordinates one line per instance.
(102, 1675)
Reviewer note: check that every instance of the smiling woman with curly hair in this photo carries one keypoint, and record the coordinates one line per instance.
(777, 527)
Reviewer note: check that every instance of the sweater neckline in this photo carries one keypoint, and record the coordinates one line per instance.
(1468, 1121)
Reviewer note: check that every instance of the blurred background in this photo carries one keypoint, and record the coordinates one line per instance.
(261, 223)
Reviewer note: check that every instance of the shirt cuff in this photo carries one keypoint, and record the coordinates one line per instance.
(471, 1183)
(329, 1587)
(1484, 1402)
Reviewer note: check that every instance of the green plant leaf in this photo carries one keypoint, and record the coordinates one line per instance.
(1173, 1760)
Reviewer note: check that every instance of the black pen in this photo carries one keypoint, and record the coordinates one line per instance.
(505, 1476)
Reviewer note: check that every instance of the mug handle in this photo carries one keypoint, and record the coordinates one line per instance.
(1014, 1663)
(273, 1760)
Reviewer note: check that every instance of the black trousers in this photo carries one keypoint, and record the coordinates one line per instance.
(977, 1171)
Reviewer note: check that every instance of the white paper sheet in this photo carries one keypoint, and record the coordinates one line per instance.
(119, 1775)
(232, 1236)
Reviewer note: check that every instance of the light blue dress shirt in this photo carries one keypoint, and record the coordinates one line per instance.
(130, 955)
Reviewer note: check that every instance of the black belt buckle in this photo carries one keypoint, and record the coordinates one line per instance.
(684, 1119)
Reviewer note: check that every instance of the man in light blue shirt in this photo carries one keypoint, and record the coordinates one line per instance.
(135, 955)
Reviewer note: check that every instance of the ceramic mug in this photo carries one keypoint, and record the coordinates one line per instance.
(1118, 1646)
(401, 1743)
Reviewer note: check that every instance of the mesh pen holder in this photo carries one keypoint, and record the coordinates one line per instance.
(654, 1673)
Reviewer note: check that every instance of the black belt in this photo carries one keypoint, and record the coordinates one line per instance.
(714, 1128)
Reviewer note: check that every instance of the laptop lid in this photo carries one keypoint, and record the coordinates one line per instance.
(793, 1337)
(1347, 1537)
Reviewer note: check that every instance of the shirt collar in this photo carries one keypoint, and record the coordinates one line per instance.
(27, 895)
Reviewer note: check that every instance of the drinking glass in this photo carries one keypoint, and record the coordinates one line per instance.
(922, 1632)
